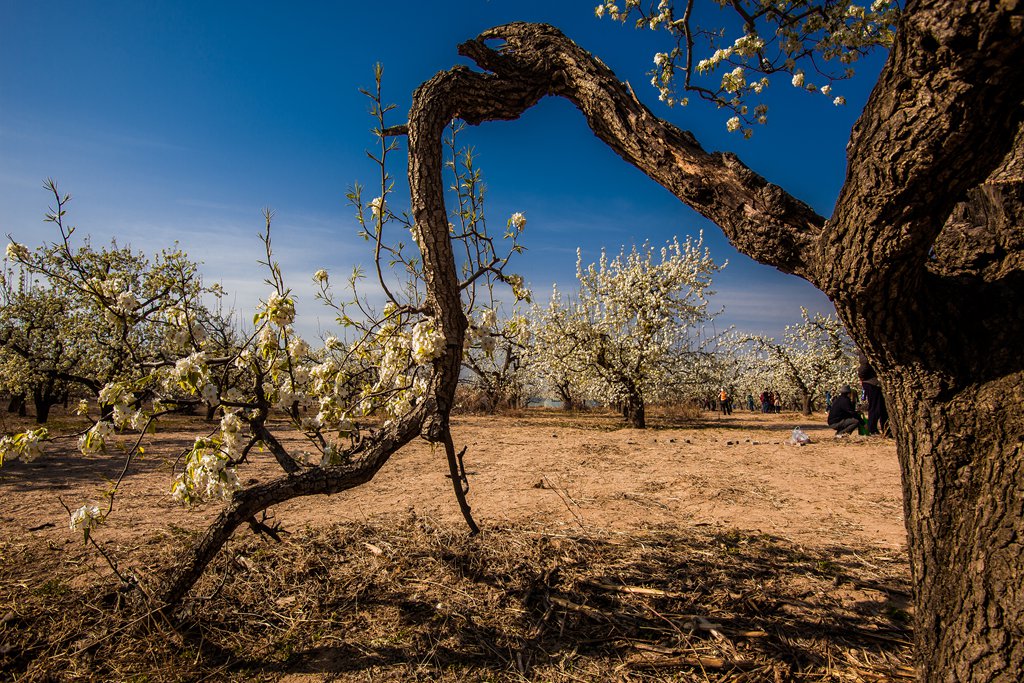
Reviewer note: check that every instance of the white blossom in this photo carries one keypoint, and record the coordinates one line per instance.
(280, 309)
(488, 318)
(126, 302)
(17, 252)
(95, 440)
(427, 341)
(27, 445)
(734, 80)
(86, 518)
(209, 474)
(378, 206)
(487, 344)
(191, 372)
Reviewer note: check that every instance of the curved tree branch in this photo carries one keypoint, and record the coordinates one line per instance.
(918, 149)
(759, 218)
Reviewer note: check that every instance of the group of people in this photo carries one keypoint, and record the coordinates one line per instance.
(770, 402)
(843, 415)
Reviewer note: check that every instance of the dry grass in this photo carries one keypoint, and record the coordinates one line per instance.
(408, 599)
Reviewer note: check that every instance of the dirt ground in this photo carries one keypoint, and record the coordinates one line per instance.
(547, 467)
(606, 554)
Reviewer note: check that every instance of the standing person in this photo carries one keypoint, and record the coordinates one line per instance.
(878, 416)
(725, 401)
(843, 417)
(766, 401)
(828, 401)
(776, 402)
(750, 402)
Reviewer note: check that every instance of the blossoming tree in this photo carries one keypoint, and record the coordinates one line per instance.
(86, 317)
(630, 328)
(397, 364)
(814, 356)
(498, 359)
(37, 348)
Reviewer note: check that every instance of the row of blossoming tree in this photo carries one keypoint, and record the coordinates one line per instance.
(141, 338)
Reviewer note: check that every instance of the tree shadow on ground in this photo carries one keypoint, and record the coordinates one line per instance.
(63, 466)
(407, 599)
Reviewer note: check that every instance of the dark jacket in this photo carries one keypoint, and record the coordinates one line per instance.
(865, 372)
(842, 408)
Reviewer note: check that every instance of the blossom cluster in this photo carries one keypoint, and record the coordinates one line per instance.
(17, 252)
(191, 373)
(120, 397)
(183, 329)
(26, 446)
(482, 331)
(209, 472)
(280, 309)
(85, 519)
(118, 298)
(517, 221)
(427, 341)
(377, 207)
(95, 439)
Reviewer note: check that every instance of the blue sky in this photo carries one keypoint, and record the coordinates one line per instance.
(182, 120)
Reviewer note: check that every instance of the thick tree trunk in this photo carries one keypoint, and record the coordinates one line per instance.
(963, 480)
(634, 412)
(805, 403)
(43, 399)
(42, 405)
(17, 404)
(565, 394)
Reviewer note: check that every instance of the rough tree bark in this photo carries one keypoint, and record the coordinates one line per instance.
(922, 259)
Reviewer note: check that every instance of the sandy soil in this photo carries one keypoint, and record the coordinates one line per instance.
(796, 553)
(541, 467)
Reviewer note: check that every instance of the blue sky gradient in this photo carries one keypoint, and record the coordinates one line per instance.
(182, 120)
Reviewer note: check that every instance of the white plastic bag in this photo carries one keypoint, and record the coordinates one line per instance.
(799, 438)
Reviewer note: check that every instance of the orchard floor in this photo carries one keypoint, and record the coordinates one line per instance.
(700, 549)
